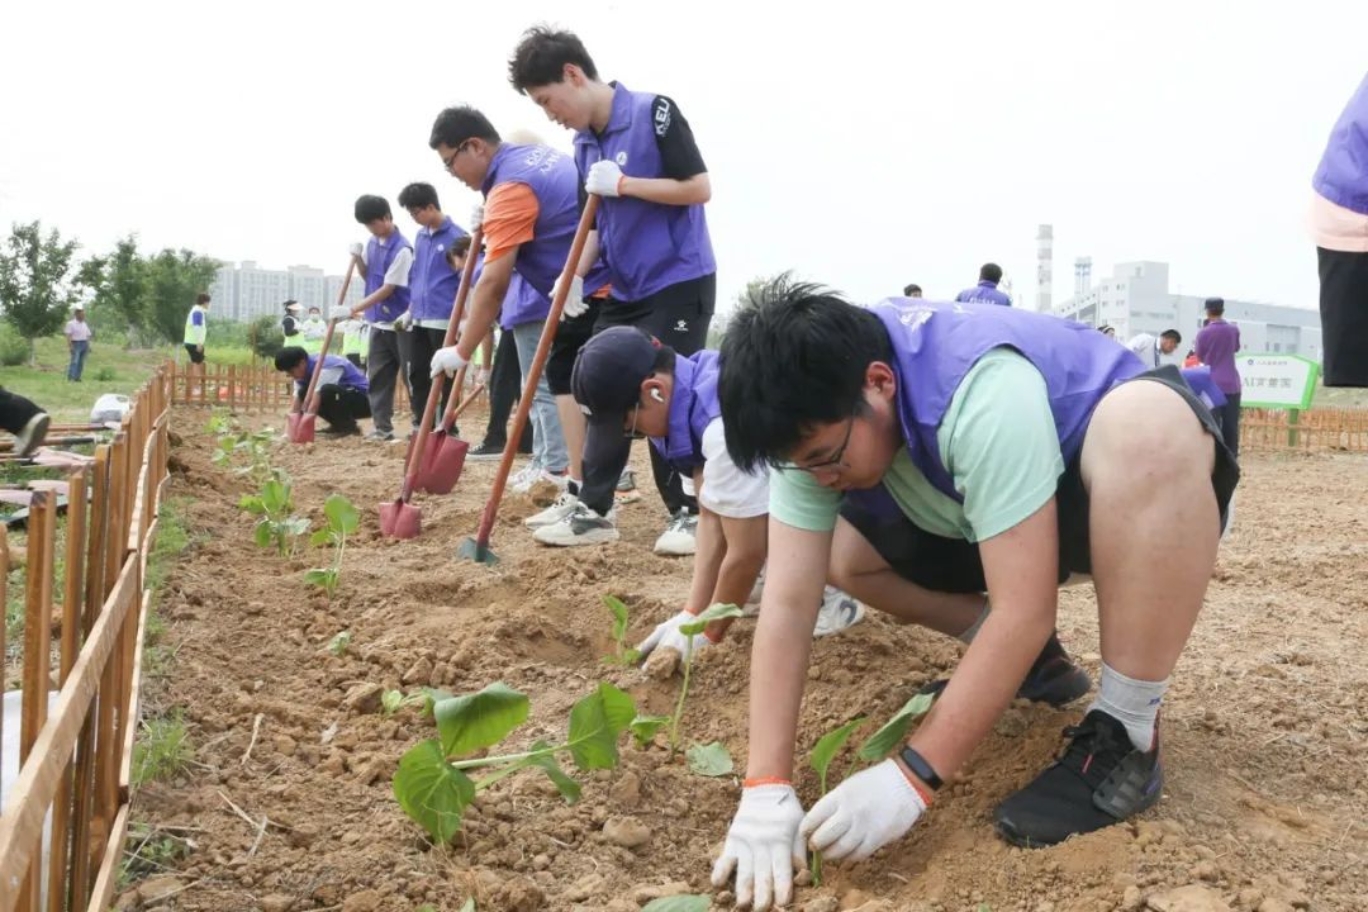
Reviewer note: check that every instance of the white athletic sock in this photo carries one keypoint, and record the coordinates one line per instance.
(968, 635)
(1135, 704)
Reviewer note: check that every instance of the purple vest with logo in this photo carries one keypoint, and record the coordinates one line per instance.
(522, 304)
(693, 406)
(646, 246)
(352, 377)
(984, 293)
(935, 345)
(551, 175)
(432, 280)
(1199, 381)
(1342, 176)
(378, 261)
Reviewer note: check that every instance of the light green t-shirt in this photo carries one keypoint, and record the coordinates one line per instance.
(997, 440)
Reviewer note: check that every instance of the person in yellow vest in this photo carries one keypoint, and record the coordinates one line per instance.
(311, 332)
(196, 328)
(353, 341)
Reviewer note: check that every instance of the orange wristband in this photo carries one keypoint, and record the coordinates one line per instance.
(765, 780)
(926, 794)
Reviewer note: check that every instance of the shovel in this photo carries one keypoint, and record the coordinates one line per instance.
(299, 424)
(477, 548)
(442, 464)
(399, 518)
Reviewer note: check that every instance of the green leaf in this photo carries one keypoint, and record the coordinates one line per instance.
(829, 745)
(323, 577)
(619, 610)
(296, 525)
(468, 907)
(717, 612)
(431, 696)
(644, 728)
(391, 700)
(321, 537)
(474, 721)
(252, 504)
(339, 643)
(342, 516)
(431, 792)
(595, 723)
(263, 533)
(569, 788)
(710, 759)
(681, 903)
(275, 494)
(894, 731)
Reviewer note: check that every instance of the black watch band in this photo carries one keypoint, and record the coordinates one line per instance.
(918, 765)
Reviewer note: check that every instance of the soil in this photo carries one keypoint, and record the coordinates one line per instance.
(1266, 722)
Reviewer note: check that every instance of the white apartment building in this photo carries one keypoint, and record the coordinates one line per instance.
(245, 291)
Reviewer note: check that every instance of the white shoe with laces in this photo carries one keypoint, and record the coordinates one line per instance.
(678, 539)
(564, 505)
(839, 612)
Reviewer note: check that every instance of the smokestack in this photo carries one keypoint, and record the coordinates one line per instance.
(1045, 268)
(1082, 276)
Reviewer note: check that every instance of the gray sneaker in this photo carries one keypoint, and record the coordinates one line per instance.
(582, 526)
(380, 436)
(678, 538)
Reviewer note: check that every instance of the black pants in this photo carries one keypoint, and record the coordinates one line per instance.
(15, 411)
(1344, 316)
(1228, 416)
(195, 352)
(341, 406)
(423, 342)
(679, 316)
(505, 389)
(355, 359)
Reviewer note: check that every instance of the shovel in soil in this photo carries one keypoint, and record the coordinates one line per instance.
(300, 423)
(399, 518)
(477, 548)
(444, 460)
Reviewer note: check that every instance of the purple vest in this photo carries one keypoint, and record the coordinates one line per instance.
(352, 378)
(646, 246)
(935, 345)
(597, 277)
(1342, 176)
(378, 261)
(432, 280)
(522, 304)
(1203, 387)
(984, 293)
(551, 175)
(693, 406)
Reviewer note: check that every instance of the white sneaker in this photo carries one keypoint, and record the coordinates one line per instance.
(678, 538)
(522, 480)
(581, 526)
(563, 507)
(839, 611)
(32, 434)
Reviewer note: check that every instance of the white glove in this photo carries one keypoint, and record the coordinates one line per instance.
(476, 217)
(864, 813)
(763, 847)
(356, 250)
(447, 361)
(603, 178)
(340, 312)
(574, 299)
(667, 634)
(404, 321)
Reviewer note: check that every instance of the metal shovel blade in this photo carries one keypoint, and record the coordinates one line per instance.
(472, 550)
(442, 465)
(400, 520)
(299, 427)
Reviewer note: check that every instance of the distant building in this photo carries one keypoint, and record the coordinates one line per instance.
(244, 292)
(1136, 299)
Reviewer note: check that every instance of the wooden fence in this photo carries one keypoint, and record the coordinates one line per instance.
(260, 388)
(1317, 430)
(76, 759)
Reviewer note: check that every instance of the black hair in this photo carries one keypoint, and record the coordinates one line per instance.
(460, 247)
(793, 357)
(665, 361)
(456, 125)
(541, 56)
(288, 302)
(202, 298)
(990, 272)
(1215, 306)
(369, 208)
(910, 290)
(1173, 334)
(419, 196)
(290, 357)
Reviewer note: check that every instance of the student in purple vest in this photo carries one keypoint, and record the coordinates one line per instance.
(432, 289)
(912, 291)
(986, 291)
(1217, 343)
(341, 389)
(924, 454)
(636, 151)
(529, 216)
(385, 262)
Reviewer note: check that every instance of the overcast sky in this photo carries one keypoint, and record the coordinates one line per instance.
(864, 146)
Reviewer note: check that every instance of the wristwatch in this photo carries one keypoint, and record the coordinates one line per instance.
(918, 765)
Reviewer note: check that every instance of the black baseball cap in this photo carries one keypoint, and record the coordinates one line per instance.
(606, 383)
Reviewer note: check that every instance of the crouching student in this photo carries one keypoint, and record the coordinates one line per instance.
(631, 386)
(342, 388)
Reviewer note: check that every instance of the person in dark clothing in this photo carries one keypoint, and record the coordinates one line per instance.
(504, 392)
(25, 420)
(342, 388)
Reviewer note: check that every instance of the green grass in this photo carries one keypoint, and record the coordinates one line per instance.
(163, 749)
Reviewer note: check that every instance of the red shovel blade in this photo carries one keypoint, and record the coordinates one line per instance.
(442, 465)
(299, 427)
(400, 520)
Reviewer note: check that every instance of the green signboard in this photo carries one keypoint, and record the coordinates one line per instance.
(1277, 381)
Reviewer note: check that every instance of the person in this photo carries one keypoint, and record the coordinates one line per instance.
(78, 335)
(986, 291)
(921, 455)
(312, 330)
(1339, 226)
(196, 329)
(912, 291)
(289, 321)
(385, 262)
(529, 219)
(342, 388)
(628, 382)
(1151, 350)
(504, 390)
(1192, 360)
(636, 151)
(25, 420)
(433, 284)
(1107, 330)
(354, 339)
(1216, 345)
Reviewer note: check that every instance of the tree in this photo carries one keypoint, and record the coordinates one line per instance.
(173, 279)
(119, 283)
(36, 288)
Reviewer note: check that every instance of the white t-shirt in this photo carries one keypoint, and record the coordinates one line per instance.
(727, 490)
(1147, 347)
(78, 331)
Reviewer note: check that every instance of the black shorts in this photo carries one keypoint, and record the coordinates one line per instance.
(953, 565)
(678, 315)
(1344, 316)
(571, 335)
(196, 353)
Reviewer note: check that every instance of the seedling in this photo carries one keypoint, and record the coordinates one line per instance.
(710, 759)
(690, 630)
(823, 752)
(894, 731)
(338, 644)
(644, 728)
(275, 507)
(624, 654)
(343, 519)
(256, 445)
(434, 789)
(391, 701)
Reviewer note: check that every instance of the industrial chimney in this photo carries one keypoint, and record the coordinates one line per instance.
(1082, 276)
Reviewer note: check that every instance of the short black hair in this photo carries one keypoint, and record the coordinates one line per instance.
(909, 290)
(288, 302)
(369, 208)
(990, 272)
(1173, 334)
(541, 56)
(456, 125)
(419, 196)
(289, 357)
(202, 298)
(461, 246)
(1215, 306)
(793, 357)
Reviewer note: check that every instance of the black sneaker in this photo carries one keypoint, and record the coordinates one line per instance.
(1054, 680)
(485, 452)
(353, 431)
(1101, 779)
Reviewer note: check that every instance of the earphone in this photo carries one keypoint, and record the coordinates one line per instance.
(655, 394)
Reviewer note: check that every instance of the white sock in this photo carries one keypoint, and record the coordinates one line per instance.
(1135, 704)
(968, 635)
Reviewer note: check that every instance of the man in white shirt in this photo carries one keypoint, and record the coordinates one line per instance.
(78, 335)
(1151, 350)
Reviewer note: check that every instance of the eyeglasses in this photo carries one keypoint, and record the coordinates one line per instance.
(448, 162)
(835, 463)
